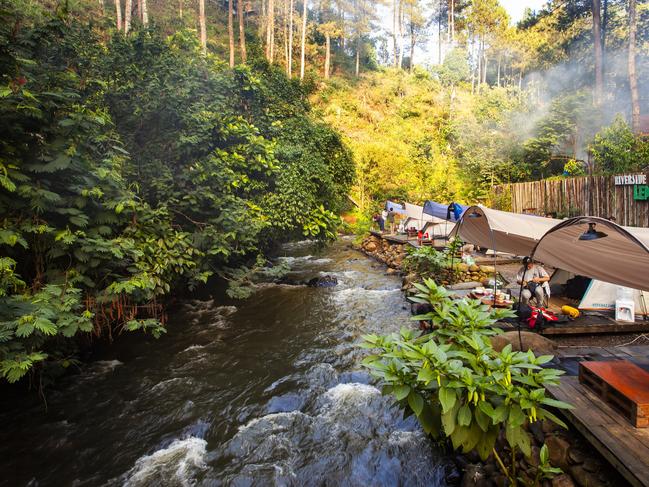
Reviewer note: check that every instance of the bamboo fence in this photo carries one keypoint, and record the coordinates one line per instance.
(587, 195)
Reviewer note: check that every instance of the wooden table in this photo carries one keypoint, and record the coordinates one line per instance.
(622, 385)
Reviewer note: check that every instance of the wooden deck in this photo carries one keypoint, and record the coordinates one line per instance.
(623, 445)
(595, 324)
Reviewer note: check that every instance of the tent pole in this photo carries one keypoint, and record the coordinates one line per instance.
(520, 296)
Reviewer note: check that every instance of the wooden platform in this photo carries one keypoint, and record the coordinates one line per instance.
(623, 445)
(596, 323)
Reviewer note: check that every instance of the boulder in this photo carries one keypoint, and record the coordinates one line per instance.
(584, 478)
(323, 281)
(537, 343)
(392, 271)
(370, 246)
(559, 450)
(562, 480)
(464, 285)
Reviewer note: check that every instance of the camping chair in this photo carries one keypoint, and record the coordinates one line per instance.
(546, 297)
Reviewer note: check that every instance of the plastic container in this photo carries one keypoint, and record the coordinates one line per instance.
(624, 310)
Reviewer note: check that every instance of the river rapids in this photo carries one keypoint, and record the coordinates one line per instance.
(267, 391)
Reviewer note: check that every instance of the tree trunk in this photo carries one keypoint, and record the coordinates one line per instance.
(327, 66)
(303, 51)
(261, 23)
(201, 20)
(413, 41)
(448, 21)
(342, 28)
(231, 31)
(479, 71)
(597, 42)
(395, 13)
(498, 78)
(400, 34)
(242, 31)
(128, 9)
(452, 27)
(358, 56)
(285, 23)
(604, 32)
(118, 11)
(485, 64)
(439, 34)
(145, 14)
(290, 39)
(270, 30)
(633, 76)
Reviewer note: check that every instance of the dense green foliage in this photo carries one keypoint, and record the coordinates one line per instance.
(457, 385)
(131, 167)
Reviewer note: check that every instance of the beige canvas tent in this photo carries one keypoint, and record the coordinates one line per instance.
(610, 253)
(502, 231)
(615, 254)
(413, 217)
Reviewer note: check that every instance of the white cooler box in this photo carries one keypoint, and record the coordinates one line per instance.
(624, 310)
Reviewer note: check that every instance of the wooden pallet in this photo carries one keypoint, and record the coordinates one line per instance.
(622, 385)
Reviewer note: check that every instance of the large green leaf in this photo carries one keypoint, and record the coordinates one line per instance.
(447, 398)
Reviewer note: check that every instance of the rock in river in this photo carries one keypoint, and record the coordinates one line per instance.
(323, 281)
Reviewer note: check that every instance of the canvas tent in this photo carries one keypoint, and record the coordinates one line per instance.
(393, 207)
(502, 231)
(438, 229)
(600, 295)
(619, 256)
(415, 217)
(451, 212)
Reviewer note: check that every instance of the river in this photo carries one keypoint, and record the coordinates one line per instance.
(267, 391)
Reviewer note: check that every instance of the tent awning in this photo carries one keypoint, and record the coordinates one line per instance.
(417, 212)
(621, 257)
(501, 230)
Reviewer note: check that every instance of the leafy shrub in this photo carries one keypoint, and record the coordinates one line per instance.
(457, 385)
(425, 261)
(616, 149)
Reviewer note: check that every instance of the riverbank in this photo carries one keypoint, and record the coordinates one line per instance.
(569, 451)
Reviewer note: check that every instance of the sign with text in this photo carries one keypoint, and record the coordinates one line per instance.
(641, 192)
(629, 179)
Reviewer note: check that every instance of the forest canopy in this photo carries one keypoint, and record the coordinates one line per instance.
(133, 167)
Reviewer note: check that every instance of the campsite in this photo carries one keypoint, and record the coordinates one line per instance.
(357, 243)
(597, 287)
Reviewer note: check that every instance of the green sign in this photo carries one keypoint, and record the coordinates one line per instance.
(641, 192)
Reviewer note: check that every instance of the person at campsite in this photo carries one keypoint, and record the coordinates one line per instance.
(376, 218)
(534, 279)
(391, 219)
(384, 218)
